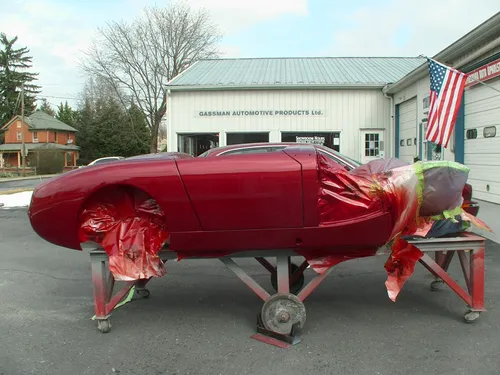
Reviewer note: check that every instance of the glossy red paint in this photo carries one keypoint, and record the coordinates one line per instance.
(56, 204)
(469, 205)
(216, 205)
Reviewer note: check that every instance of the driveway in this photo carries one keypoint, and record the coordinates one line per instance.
(199, 318)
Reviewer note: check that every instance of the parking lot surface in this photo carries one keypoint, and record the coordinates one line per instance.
(200, 317)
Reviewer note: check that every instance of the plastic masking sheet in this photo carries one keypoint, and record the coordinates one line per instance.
(130, 227)
(423, 198)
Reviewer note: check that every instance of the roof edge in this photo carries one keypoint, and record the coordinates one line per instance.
(182, 73)
(276, 87)
(476, 35)
(9, 123)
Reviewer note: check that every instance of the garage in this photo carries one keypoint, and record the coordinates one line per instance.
(407, 120)
(332, 101)
(482, 131)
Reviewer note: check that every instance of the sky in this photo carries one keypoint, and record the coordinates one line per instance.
(57, 32)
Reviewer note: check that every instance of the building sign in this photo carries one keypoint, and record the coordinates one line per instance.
(293, 112)
(313, 140)
(483, 73)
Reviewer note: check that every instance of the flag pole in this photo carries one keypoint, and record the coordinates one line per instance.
(482, 83)
(466, 74)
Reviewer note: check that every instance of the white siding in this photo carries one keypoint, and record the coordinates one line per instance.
(408, 130)
(346, 111)
(482, 155)
(421, 90)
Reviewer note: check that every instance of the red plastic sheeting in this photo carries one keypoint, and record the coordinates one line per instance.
(341, 195)
(130, 227)
(412, 194)
(400, 266)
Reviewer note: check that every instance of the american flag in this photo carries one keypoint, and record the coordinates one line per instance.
(447, 85)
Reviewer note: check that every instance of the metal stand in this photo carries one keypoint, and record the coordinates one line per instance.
(104, 284)
(283, 314)
(470, 249)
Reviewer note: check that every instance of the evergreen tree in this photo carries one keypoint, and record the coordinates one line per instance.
(139, 133)
(14, 63)
(66, 114)
(47, 108)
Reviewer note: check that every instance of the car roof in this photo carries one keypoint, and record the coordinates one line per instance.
(219, 150)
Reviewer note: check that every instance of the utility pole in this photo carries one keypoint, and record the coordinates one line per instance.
(22, 132)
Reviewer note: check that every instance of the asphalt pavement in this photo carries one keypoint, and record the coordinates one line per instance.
(200, 317)
(18, 184)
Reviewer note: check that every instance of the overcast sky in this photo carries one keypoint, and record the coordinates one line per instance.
(56, 31)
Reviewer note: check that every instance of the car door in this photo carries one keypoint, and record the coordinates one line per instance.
(245, 191)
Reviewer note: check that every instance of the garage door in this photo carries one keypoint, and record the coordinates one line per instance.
(482, 140)
(408, 130)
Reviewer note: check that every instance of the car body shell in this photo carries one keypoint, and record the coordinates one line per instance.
(469, 205)
(216, 206)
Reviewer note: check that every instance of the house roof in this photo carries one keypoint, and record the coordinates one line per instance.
(14, 147)
(40, 120)
(299, 72)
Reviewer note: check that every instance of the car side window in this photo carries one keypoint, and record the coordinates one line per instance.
(254, 150)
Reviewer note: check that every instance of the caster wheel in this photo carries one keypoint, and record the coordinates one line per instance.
(437, 285)
(296, 286)
(281, 312)
(104, 325)
(471, 316)
(142, 293)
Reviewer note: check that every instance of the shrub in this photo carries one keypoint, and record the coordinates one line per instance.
(47, 161)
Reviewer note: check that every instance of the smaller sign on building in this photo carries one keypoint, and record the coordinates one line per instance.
(483, 73)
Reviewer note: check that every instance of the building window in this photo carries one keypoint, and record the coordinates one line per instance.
(238, 138)
(489, 131)
(197, 143)
(471, 134)
(19, 136)
(372, 144)
(35, 137)
(425, 102)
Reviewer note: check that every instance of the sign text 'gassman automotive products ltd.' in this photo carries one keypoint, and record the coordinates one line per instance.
(484, 73)
(293, 112)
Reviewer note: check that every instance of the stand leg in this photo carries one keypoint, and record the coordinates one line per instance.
(102, 288)
(477, 279)
(283, 270)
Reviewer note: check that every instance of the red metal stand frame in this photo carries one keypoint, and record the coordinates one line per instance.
(443, 248)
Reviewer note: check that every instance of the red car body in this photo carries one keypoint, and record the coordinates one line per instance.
(217, 205)
(469, 205)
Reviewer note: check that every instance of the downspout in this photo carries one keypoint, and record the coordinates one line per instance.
(391, 126)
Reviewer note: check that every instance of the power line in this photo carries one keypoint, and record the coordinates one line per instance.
(56, 97)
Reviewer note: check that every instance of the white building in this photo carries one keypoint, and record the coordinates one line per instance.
(335, 101)
(363, 107)
(476, 137)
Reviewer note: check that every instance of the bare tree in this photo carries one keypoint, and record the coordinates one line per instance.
(141, 57)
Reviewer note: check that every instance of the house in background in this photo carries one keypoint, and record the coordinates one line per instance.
(41, 131)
